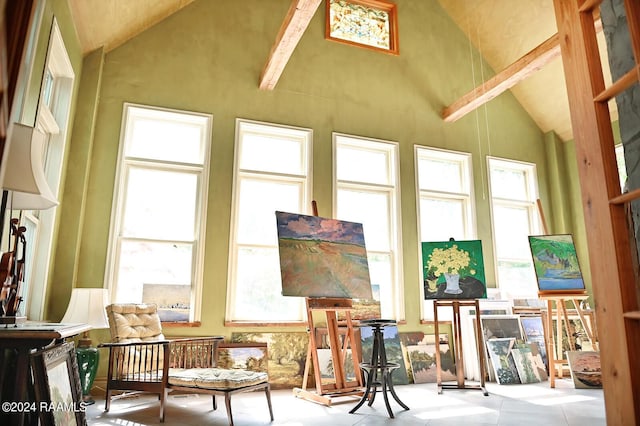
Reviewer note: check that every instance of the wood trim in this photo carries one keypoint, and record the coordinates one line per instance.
(611, 259)
(295, 23)
(180, 324)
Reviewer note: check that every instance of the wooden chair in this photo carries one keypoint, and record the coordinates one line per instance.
(142, 360)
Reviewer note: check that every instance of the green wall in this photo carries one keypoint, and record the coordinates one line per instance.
(208, 58)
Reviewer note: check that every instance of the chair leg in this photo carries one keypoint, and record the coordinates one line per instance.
(215, 404)
(227, 403)
(107, 401)
(267, 391)
(163, 397)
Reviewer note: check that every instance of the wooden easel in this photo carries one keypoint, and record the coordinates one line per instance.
(554, 354)
(457, 338)
(325, 392)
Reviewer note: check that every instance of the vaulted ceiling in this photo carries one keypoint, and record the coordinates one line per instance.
(503, 31)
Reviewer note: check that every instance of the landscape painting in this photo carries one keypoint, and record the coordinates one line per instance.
(287, 355)
(585, 369)
(502, 360)
(533, 329)
(453, 270)
(556, 263)
(322, 257)
(525, 363)
(393, 350)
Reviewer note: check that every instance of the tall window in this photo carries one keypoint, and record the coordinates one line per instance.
(271, 173)
(52, 119)
(514, 191)
(445, 200)
(158, 219)
(367, 191)
(622, 168)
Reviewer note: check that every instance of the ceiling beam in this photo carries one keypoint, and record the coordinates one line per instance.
(505, 79)
(509, 77)
(295, 23)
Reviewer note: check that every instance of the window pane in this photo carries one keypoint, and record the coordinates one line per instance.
(272, 154)
(517, 279)
(440, 175)
(363, 165)
(509, 183)
(151, 264)
(258, 290)
(259, 200)
(512, 229)
(380, 271)
(372, 210)
(157, 139)
(160, 204)
(442, 219)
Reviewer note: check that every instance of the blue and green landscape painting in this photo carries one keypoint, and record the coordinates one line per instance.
(556, 263)
(322, 257)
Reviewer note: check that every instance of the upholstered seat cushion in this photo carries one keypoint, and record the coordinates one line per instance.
(215, 378)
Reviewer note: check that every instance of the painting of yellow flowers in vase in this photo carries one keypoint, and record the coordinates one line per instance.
(453, 270)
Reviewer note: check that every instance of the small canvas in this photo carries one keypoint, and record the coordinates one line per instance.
(525, 364)
(393, 350)
(322, 257)
(585, 369)
(533, 329)
(502, 360)
(420, 357)
(556, 264)
(453, 270)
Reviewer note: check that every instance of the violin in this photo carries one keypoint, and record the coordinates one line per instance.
(11, 272)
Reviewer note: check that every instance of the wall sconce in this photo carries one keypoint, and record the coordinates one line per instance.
(87, 306)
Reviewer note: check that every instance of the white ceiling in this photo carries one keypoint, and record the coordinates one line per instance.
(501, 30)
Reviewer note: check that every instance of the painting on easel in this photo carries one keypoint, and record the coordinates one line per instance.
(453, 270)
(556, 264)
(322, 257)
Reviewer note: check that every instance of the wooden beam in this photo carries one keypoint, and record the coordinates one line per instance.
(504, 80)
(295, 23)
(509, 77)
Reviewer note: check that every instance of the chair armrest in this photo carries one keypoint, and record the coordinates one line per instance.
(120, 344)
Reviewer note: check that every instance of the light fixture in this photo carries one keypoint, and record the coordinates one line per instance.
(24, 173)
(87, 306)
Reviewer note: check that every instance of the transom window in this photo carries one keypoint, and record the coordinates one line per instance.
(271, 173)
(157, 230)
(367, 192)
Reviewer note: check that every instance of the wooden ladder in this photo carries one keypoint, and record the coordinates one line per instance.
(612, 252)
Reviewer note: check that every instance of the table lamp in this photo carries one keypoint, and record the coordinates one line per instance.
(87, 306)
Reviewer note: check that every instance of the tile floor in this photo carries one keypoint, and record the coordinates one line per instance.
(534, 404)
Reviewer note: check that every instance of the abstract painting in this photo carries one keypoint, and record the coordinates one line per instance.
(585, 369)
(453, 270)
(502, 360)
(556, 263)
(322, 257)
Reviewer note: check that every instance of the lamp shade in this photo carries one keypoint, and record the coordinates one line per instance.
(87, 307)
(24, 173)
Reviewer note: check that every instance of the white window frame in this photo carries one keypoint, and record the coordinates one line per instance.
(120, 193)
(396, 308)
(53, 120)
(530, 203)
(466, 196)
(244, 126)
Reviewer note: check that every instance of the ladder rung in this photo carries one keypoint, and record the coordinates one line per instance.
(626, 197)
(589, 5)
(619, 86)
(632, 315)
